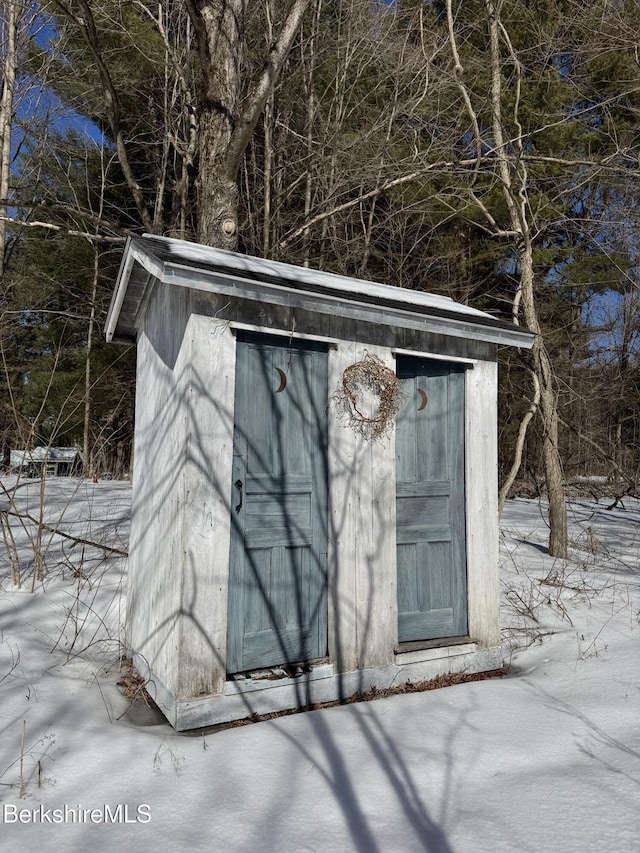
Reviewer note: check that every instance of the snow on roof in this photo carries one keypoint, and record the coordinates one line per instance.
(201, 256)
(44, 454)
(180, 262)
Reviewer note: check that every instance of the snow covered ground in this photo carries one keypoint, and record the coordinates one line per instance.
(545, 759)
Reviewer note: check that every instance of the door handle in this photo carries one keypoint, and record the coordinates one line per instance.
(238, 485)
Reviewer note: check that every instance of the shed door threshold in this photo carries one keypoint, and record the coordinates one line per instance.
(278, 676)
(409, 653)
(419, 645)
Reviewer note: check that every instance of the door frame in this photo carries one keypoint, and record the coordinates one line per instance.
(315, 453)
(457, 555)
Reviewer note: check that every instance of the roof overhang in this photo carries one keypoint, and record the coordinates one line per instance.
(182, 264)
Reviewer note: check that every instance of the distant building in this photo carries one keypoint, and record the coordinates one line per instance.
(52, 461)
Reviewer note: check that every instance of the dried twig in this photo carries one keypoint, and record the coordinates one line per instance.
(77, 540)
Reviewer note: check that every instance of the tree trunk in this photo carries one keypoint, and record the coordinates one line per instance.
(6, 117)
(513, 175)
(6, 121)
(218, 193)
(219, 27)
(86, 460)
(553, 473)
(228, 116)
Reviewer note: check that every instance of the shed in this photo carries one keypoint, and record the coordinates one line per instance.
(52, 461)
(314, 482)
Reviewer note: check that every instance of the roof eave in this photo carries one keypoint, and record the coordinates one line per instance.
(232, 282)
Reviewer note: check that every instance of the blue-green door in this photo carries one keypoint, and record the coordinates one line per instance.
(430, 501)
(278, 580)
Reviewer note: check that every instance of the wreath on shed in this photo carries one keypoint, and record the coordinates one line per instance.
(369, 397)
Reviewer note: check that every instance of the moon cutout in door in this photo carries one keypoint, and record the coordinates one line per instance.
(423, 398)
(283, 380)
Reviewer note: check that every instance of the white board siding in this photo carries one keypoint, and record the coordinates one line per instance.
(207, 505)
(157, 526)
(177, 603)
(483, 582)
(362, 582)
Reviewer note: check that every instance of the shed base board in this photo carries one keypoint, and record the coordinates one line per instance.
(325, 686)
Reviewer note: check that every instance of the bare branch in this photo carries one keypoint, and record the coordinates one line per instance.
(97, 238)
(519, 447)
(459, 72)
(77, 540)
(257, 99)
(599, 165)
(395, 182)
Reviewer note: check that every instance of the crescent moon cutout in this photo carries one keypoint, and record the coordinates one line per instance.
(424, 399)
(283, 380)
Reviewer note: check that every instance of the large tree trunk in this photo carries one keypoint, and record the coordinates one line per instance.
(218, 194)
(219, 28)
(230, 111)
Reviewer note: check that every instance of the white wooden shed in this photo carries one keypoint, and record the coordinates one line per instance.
(281, 554)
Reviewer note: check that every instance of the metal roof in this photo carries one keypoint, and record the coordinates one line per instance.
(44, 454)
(184, 264)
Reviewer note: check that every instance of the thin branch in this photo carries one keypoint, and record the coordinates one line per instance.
(602, 165)
(395, 182)
(459, 164)
(62, 207)
(243, 130)
(451, 164)
(459, 72)
(522, 434)
(19, 312)
(98, 238)
(77, 540)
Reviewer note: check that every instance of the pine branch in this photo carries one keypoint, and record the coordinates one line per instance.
(86, 23)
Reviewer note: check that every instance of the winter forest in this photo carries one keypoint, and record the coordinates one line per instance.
(485, 150)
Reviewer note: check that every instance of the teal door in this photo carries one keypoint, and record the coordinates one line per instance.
(278, 578)
(431, 555)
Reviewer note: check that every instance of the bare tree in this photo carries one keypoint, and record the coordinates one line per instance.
(228, 110)
(10, 24)
(512, 170)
